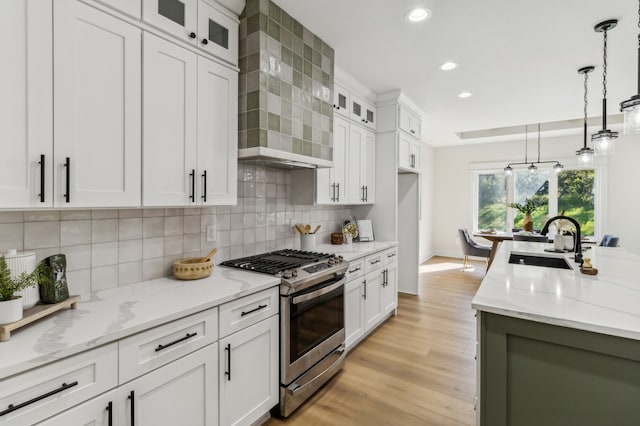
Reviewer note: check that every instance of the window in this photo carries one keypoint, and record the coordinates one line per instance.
(574, 191)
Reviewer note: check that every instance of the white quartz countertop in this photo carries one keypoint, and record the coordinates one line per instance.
(109, 315)
(355, 250)
(607, 303)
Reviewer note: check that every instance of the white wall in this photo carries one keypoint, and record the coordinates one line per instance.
(427, 203)
(452, 202)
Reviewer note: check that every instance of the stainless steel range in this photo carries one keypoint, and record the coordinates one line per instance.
(311, 318)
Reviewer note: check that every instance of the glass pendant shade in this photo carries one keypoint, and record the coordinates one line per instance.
(603, 142)
(558, 168)
(532, 169)
(508, 170)
(631, 110)
(585, 156)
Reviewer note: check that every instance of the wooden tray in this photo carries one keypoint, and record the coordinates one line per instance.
(35, 313)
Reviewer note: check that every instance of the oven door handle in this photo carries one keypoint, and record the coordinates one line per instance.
(324, 290)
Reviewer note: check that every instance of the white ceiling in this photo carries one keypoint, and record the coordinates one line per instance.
(519, 58)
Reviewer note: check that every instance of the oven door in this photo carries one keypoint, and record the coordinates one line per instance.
(312, 326)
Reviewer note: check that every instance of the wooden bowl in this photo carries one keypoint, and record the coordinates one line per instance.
(192, 268)
(337, 238)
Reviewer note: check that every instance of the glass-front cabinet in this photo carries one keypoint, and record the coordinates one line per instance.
(341, 100)
(203, 23)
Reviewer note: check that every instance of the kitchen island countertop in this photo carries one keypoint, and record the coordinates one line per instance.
(108, 315)
(607, 303)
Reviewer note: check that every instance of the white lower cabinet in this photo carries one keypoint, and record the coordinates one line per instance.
(181, 393)
(353, 312)
(99, 411)
(373, 282)
(249, 373)
(389, 297)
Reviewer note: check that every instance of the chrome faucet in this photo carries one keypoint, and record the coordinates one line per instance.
(577, 244)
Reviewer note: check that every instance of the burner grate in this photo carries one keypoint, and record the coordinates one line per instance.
(276, 261)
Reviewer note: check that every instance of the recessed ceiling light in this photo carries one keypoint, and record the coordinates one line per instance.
(418, 15)
(448, 66)
(464, 94)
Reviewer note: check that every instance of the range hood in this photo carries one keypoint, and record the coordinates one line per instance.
(285, 91)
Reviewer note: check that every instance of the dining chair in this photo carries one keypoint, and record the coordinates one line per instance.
(609, 240)
(535, 238)
(471, 248)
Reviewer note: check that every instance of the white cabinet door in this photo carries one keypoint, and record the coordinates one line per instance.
(184, 392)
(131, 8)
(410, 122)
(169, 122)
(217, 151)
(99, 411)
(369, 116)
(26, 113)
(357, 110)
(390, 288)
(249, 380)
(341, 100)
(217, 32)
(368, 167)
(404, 151)
(97, 106)
(340, 158)
(355, 187)
(353, 312)
(372, 302)
(177, 17)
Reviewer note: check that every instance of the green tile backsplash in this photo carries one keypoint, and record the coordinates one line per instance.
(286, 84)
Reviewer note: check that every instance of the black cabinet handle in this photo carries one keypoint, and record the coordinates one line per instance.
(132, 398)
(192, 175)
(11, 407)
(41, 162)
(253, 310)
(110, 413)
(67, 165)
(374, 262)
(338, 188)
(228, 372)
(333, 192)
(192, 35)
(187, 336)
(362, 199)
(354, 270)
(365, 289)
(366, 193)
(204, 187)
(205, 41)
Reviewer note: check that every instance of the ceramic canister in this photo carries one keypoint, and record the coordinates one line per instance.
(19, 263)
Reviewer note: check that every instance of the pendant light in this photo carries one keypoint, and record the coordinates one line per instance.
(533, 169)
(603, 140)
(631, 107)
(585, 154)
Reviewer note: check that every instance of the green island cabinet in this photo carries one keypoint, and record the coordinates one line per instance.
(537, 374)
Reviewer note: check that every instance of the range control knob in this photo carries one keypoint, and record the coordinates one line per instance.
(287, 273)
(331, 261)
(340, 259)
(294, 272)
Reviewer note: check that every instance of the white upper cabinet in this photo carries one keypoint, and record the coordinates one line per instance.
(341, 100)
(202, 23)
(217, 150)
(409, 121)
(97, 104)
(26, 114)
(331, 184)
(129, 7)
(367, 168)
(408, 153)
(363, 112)
(190, 122)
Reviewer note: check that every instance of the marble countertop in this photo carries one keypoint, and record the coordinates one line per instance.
(607, 303)
(109, 315)
(355, 250)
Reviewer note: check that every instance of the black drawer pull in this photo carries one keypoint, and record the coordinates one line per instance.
(375, 261)
(192, 175)
(204, 187)
(67, 165)
(110, 413)
(391, 255)
(41, 162)
(132, 398)
(354, 270)
(228, 372)
(11, 408)
(187, 336)
(243, 313)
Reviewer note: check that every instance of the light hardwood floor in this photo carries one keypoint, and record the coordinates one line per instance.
(417, 368)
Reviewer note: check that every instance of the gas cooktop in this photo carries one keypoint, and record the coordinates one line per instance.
(297, 269)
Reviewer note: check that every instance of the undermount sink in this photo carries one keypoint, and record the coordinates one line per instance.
(533, 260)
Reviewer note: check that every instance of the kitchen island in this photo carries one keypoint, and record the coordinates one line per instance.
(557, 347)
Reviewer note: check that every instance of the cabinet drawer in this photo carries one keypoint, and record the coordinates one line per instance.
(42, 392)
(154, 348)
(248, 310)
(373, 262)
(390, 255)
(356, 269)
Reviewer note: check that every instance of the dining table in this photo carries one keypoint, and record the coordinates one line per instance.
(496, 238)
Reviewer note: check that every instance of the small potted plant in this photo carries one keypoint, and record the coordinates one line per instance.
(530, 205)
(11, 305)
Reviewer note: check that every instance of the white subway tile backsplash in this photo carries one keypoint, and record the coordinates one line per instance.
(79, 282)
(104, 277)
(104, 230)
(78, 257)
(129, 273)
(152, 227)
(11, 217)
(152, 268)
(129, 251)
(191, 224)
(153, 213)
(173, 245)
(41, 234)
(173, 226)
(207, 220)
(236, 220)
(235, 237)
(152, 248)
(103, 254)
(192, 211)
(11, 236)
(75, 215)
(41, 216)
(45, 252)
(104, 214)
(129, 213)
(130, 229)
(192, 242)
(173, 212)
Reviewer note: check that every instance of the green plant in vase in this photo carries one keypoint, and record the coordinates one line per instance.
(527, 208)
(10, 304)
